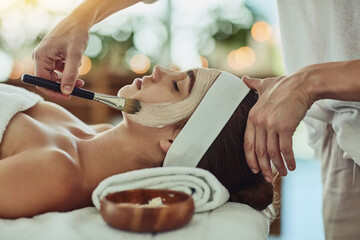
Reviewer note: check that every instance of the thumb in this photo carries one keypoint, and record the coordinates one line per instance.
(253, 83)
(70, 74)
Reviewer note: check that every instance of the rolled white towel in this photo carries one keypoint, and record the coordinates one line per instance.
(13, 100)
(207, 192)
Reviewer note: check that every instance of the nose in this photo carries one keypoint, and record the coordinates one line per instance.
(158, 73)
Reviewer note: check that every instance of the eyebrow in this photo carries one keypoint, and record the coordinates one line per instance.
(191, 75)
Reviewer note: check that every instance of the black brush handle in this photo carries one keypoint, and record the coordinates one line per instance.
(55, 86)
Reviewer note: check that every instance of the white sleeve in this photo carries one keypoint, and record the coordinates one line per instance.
(345, 120)
(346, 124)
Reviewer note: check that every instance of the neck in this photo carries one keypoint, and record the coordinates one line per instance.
(115, 151)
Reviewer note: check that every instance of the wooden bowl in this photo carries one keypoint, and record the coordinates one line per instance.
(119, 210)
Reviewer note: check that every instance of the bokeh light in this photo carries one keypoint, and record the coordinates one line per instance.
(94, 46)
(231, 60)
(261, 31)
(85, 65)
(249, 54)
(241, 58)
(140, 63)
(150, 39)
(206, 46)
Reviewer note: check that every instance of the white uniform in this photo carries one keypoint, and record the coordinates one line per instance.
(318, 31)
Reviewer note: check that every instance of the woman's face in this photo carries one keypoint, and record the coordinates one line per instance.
(163, 85)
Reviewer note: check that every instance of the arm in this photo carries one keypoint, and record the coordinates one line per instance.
(63, 47)
(283, 103)
(34, 182)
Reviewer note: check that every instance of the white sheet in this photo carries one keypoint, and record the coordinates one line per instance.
(230, 221)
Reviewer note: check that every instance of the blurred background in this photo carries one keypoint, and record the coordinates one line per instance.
(239, 36)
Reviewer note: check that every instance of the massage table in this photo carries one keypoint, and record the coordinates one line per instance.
(229, 221)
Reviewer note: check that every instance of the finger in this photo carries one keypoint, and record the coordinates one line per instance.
(59, 66)
(79, 83)
(53, 94)
(274, 153)
(70, 73)
(261, 154)
(43, 68)
(249, 149)
(44, 63)
(252, 83)
(285, 143)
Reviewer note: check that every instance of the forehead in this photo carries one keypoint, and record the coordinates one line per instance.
(204, 76)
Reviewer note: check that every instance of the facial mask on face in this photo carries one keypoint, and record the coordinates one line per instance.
(162, 114)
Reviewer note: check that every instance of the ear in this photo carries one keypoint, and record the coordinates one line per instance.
(165, 144)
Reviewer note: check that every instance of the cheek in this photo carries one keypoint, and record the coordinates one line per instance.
(125, 92)
(155, 94)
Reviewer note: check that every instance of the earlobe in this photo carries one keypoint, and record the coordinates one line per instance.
(165, 144)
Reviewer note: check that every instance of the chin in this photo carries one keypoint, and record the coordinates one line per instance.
(118, 94)
(123, 92)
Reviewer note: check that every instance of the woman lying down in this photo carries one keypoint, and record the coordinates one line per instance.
(52, 161)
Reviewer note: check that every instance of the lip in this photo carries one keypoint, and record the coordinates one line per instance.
(138, 83)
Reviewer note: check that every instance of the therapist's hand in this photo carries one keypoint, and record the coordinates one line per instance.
(62, 50)
(282, 104)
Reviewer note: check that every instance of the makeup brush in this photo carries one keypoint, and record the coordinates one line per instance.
(127, 105)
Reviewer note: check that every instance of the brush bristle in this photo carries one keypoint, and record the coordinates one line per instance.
(132, 106)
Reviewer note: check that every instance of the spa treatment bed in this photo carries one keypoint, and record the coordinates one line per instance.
(214, 217)
(230, 221)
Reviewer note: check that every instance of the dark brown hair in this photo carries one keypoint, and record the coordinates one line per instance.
(225, 159)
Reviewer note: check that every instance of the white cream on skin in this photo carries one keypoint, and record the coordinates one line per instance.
(163, 114)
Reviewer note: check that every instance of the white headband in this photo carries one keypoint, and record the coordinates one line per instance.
(207, 121)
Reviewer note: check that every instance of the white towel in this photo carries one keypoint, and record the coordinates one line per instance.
(345, 120)
(207, 192)
(231, 221)
(13, 100)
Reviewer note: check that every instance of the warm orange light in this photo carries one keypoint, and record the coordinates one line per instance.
(261, 31)
(241, 58)
(140, 63)
(248, 55)
(85, 65)
(231, 60)
(204, 62)
(17, 70)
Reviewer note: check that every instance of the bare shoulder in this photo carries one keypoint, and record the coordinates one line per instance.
(101, 127)
(48, 179)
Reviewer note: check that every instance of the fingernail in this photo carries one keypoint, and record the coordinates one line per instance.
(267, 179)
(291, 167)
(67, 89)
(255, 171)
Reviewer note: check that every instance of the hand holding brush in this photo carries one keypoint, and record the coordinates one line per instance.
(127, 105)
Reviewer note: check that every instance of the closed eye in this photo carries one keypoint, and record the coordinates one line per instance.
(175, 85)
